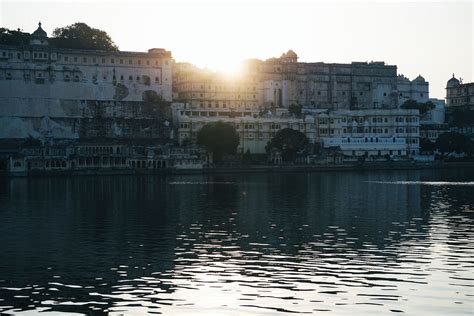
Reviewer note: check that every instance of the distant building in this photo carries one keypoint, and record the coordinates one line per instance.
(460, 106)
(417, 89)
(459, 94)
(432, 123)
(40, 81)
(370, 133)
(283, 81)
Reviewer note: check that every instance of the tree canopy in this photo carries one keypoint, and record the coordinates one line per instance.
(422, 107)
(288, 142)
(12, 37)
(219, 138)
(454, 142)
(461, 117)
(81, 36)
(295, 109)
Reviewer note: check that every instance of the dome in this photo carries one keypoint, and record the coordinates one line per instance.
(291, 53)
(419, 79)
(402, 79)
(39, 32)
(453, 82)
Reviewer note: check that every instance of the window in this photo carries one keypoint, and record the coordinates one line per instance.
(94, 60)
(121, 61)
(361, 93)
(112, 60)
(130, 78)
(385, 94)
(103, 60)
(147, 62)
(75, 59)
(139, 62)
(84, 59)
(138, 78)
(121, 77)
(129, 61)
(157, 79)
(66, 58)
(18, 55)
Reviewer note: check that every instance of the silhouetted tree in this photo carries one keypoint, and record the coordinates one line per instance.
(288, 142)
(422, 107)
(295, 109)
(219, 138)
(454, 142)
(81, 36)
(12, 37)
(426, 145)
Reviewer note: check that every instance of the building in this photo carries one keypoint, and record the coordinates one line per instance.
(374, 134)
(254, 132)
(432, 123)
(460, 106)
(459, 94)
(370, 133)
(283, 81)
(416, 89)
(204, 89)
(39, 81)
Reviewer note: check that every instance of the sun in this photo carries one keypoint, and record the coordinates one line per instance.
(228, 67)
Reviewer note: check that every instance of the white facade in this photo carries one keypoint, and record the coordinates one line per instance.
(41, 83)
(416, 89)
(357, 133)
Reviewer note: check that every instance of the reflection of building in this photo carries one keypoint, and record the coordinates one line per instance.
(40, 80)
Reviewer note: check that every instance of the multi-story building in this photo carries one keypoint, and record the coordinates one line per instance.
(254, 132)
(432, 123)
(460, 106)
(459, 94)
(39, 80)
(371, 133)
(204, 89)
(416, 89)
(283, 81)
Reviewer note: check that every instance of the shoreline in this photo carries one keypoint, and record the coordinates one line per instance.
(246, 169)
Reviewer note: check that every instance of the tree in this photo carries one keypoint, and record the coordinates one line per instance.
(12, 37)
(219, 138)
(288, 142)
(454, 142)
(422, 107)
(81, 36)
(295, 109)
(426, 145)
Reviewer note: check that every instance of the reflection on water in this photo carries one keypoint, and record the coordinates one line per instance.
(331, 243)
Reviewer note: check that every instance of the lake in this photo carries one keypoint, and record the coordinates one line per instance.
(330, 243)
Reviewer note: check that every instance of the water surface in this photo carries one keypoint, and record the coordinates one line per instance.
(358, 243)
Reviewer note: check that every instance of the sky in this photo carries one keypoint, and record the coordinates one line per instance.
(434, 39)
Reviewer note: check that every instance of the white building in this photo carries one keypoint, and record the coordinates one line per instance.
(416, 89)
(371, 133)
(39, 80)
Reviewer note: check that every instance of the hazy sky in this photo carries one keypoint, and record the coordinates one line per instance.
(434, 39)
